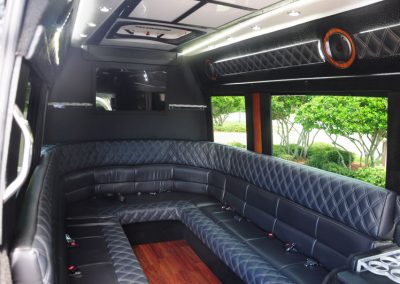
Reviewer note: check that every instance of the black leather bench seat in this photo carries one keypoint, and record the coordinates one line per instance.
(248, 209)
(103, 253)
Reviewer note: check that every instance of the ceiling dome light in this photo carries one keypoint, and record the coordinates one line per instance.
(256, 28)
(294, 13)
(83, 35)
(104, 9)
(91, 24)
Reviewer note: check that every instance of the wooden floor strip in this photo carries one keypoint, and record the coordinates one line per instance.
(173, 263)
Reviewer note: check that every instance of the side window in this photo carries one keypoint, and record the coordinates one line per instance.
(341, 134)
(229, 120)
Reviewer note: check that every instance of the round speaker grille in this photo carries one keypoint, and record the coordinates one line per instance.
(339, 48)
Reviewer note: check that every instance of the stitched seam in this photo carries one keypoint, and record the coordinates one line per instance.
(381, 219)
(245, 199)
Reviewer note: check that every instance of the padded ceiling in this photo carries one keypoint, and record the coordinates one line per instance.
(255, 4)
(213, 15)
(171, 24)
(161, 10)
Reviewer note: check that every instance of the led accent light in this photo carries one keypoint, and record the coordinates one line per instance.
(90, 15)
(313, 79)
(294, 13)
(379, 28)
(320, 51)
(242, 30)
(266, 51)
(104, 9)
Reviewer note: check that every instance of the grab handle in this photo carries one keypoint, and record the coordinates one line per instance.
(23, 124)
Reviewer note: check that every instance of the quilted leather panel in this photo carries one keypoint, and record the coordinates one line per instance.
(250, 266)
(44, 241)
(397, 221)
(247, 264)
(97, 154)
(302, 54)
(379, 43)
(157, 211)
(126, 265)
(356, 204)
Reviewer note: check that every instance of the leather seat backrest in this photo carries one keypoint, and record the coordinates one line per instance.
(39, 253)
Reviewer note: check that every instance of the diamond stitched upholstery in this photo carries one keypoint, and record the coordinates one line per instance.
(246, 263)
(250, 266)
(379, 43)
(356, 204)
(297, 55)
(127, 267)
(128, 214)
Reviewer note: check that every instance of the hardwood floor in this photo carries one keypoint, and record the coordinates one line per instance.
(173, 263)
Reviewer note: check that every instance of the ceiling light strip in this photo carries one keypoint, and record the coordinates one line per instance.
(217, 39)
(380, 28)
(266, 51)
(246, 21)
(313, 79)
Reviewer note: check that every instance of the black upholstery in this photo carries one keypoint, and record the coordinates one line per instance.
(245, 207)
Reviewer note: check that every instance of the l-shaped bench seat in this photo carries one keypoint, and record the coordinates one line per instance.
(268, 220)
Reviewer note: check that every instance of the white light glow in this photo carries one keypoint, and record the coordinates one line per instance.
(57, 37)
(379, 28)
(265, 51)
(145, 76)
(104, 9)
(294, 13)
(313, 78)
(256, 28)
(56, 43)
(273, 19)
(89, 18)
(321, 53)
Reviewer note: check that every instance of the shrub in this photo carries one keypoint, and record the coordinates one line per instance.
(237, 144)
(317, 159)
(287, 157)
(280, 151)
(375, 176)
(320, 154)
(337, 155)
(318, 147)
(230, 127)
(338, 169)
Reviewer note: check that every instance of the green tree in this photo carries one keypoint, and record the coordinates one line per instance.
(222, 106)
(283, 110)
(362, 120)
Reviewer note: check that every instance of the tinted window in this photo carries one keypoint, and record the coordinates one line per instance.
(341, 134)
(229, 120)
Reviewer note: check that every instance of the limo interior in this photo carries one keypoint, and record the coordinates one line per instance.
(107, 141)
